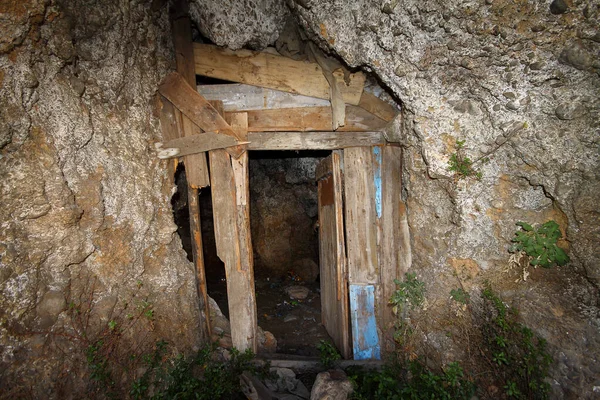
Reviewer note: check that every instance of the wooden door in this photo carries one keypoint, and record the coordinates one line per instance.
(332, 254)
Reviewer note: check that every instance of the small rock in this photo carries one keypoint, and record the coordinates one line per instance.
(512, 105)
(569, 111)
(576, 56)
(509, 95)
(297, 292)
(558, 7)
(331, 385)
(536, 66)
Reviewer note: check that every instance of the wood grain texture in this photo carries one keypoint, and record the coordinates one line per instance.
(391, 259)
(232, 249)
(361, 218)
(312, 140)
(272, 71)
(378, 107)
(181, 28)
(196, 108)
(312, 119)
(238, 97)
(334, 292)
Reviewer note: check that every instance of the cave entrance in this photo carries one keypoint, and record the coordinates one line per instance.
(273, 103)
(285, 241)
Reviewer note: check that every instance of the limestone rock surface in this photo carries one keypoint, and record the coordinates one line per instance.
(236, 24)
(86, 227)
(519, 84)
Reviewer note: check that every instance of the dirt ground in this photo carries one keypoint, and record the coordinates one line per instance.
(296, 324)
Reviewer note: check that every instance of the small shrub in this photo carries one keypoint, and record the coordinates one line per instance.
(393, 382)
(520, 359)
(461, 165)
(540, 244)
(328, 354)
(411, 292)
(460, 296)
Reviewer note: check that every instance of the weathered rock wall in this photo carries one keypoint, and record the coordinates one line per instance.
(518, 82)
(283, 197)
(86, 227)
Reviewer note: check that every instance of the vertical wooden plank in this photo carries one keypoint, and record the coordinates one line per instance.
(394, 240)
(198, 255)
(364, 327)
(361, 216)
(334, 285)
(195, 165)
(230, 196)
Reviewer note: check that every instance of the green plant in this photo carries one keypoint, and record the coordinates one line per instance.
(419, 382)
(520, 358)
(461, 165)
(204, 376)
(540, 244)
(460, 296)
(328, 354)
(411, 292)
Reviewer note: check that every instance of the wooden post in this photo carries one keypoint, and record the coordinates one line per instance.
(231, 211)
(195, 165)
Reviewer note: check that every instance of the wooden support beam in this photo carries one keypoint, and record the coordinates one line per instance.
(181, 27)
(378, 107)
(361, 215)
(239, 97)
(275, 72)
(195, 164)
(312, 119)
(195, 144)
(197, 108)
(312, 140)
(231, 210)
(277, 141)
(393, 240)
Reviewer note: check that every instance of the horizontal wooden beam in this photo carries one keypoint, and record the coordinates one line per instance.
(197, 108)
(309, 119)
(275, 72)
(276, 141)
(312, 140)
(240, 97)
(195, 144)
(376, 106)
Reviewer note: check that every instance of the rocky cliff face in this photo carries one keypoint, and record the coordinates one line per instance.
(519, 83)
(86, 233)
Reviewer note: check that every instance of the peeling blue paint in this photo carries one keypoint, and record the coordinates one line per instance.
(377, 178)
(364, 328)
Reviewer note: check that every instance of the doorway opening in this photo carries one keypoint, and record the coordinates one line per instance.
(285, 239)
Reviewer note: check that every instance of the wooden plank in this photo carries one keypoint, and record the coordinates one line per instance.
(278, 141)
(324, 168)
(181, 27)
(361, 217)
(272, 71)
(196, 108)
(312, 140)
(312, 119)
(315, 365)
(364, 327)
(393, 238)
(238, 97)
(334, 294)
(378, 107)
(194, 144)
(196, 166)
(230, 196)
